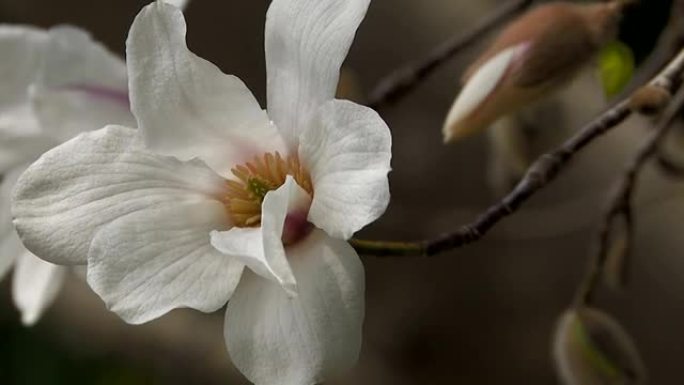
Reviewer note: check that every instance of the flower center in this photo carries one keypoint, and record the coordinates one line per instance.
(255, 179)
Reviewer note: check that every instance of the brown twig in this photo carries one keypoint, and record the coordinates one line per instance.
(400, 82)
(621, 201)
(540, 174)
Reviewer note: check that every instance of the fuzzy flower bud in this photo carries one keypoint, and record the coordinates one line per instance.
(591, 348)
(534, 55)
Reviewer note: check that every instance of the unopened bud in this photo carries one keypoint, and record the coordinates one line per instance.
(649, 99)
(534, 55)
(591, 348)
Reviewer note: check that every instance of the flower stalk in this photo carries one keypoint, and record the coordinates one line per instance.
(621, 202)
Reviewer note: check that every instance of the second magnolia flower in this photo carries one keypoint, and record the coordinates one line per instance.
(169, 215)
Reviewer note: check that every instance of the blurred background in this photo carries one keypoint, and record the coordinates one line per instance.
(483, 314)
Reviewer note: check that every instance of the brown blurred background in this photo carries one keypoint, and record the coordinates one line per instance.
(483, 314)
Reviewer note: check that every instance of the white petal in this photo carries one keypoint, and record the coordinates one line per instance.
(22, 52)
(61, 61)
(70, 111)
(150, 262)
(74, 66)
(10, 245)
(181, 4)
(261, 249)
(16, 150)
(82, 86)
(185, 105)
(306, 43)
(35, 285)
(348, 153)
(72, 190)
(73, 58)
(10, 249)
(478, 88)
(9, 179)
(276, 339)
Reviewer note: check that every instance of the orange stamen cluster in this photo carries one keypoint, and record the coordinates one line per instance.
(255, 179)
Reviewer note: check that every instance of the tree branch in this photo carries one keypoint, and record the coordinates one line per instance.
(402, 81)
(540, 174)
(621, 201)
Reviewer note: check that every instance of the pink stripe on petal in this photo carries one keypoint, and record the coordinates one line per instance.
(111, 94)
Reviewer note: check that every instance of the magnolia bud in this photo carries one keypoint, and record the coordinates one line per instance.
(649, 99)
(534, 55)
(591, 348)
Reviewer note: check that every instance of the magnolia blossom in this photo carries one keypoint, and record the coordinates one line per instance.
(169, 215)
(54, 84)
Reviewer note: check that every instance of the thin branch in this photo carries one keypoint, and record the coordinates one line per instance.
(621, 202)
(540, 174)
(400, 82)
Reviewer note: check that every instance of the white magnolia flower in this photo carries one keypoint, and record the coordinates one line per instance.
(169, 215)
(54, 84)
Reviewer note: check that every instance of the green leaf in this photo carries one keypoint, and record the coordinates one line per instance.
(616, 65)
